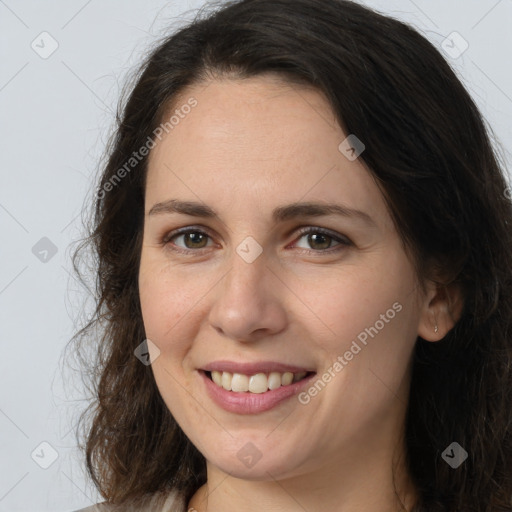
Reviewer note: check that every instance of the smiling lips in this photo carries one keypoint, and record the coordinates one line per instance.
(253, 388)
(253, 377)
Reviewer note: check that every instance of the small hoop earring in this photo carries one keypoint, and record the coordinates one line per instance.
(435, 328)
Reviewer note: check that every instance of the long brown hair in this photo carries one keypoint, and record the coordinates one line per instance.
(430, 152)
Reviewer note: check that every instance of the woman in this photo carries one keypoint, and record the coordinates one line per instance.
(304, 265)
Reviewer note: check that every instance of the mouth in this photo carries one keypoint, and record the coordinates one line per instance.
(253, 388)
(256, 383)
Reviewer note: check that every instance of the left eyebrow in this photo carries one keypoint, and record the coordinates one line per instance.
(279, 214)
(284, 213)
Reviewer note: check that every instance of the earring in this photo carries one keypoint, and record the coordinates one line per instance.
(435, 328)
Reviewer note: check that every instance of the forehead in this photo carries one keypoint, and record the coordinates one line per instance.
(257, 143)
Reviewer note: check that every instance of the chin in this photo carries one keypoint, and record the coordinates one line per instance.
(257, 460)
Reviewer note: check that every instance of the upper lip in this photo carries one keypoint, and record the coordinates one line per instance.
(253, 368)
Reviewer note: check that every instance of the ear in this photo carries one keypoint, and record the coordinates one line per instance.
(442, 306)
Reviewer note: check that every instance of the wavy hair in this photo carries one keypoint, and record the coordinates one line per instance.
(431, 154)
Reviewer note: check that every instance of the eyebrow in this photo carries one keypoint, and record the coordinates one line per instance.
(279, 214)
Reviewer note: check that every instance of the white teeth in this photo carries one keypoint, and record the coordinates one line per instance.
(226, 380)
(258, 383)
(286, 379)
(240, 383)
(274, 380)
(217, 377)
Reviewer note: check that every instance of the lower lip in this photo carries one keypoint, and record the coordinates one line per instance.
(251, 403)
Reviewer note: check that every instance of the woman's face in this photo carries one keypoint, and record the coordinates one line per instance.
(268, 281)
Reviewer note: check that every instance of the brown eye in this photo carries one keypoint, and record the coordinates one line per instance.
(192, 239)
(321, 240)
(195, 239)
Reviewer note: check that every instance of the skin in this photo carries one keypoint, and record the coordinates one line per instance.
(246, 148)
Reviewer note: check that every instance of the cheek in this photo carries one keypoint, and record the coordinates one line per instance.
(366, 360)
(169, 305)
(163, 304)
(172, 306)
(357, 305)
(372, 319)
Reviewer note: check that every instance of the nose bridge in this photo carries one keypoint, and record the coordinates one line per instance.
(246, 301)
(247, 278)
(248, 266)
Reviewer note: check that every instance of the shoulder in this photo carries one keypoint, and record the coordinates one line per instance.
(99, 507)
(171, 502)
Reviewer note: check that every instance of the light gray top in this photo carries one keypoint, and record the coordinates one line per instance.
(173, 503)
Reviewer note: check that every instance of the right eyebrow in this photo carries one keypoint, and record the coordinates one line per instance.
(184, 207)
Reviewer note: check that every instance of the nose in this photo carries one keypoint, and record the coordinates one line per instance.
(248, 302)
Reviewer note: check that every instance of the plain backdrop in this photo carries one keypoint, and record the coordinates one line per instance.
(63, 64)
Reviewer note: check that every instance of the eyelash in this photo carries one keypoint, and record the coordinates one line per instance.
(343, 241)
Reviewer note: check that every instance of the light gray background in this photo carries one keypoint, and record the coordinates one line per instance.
(57, 113)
